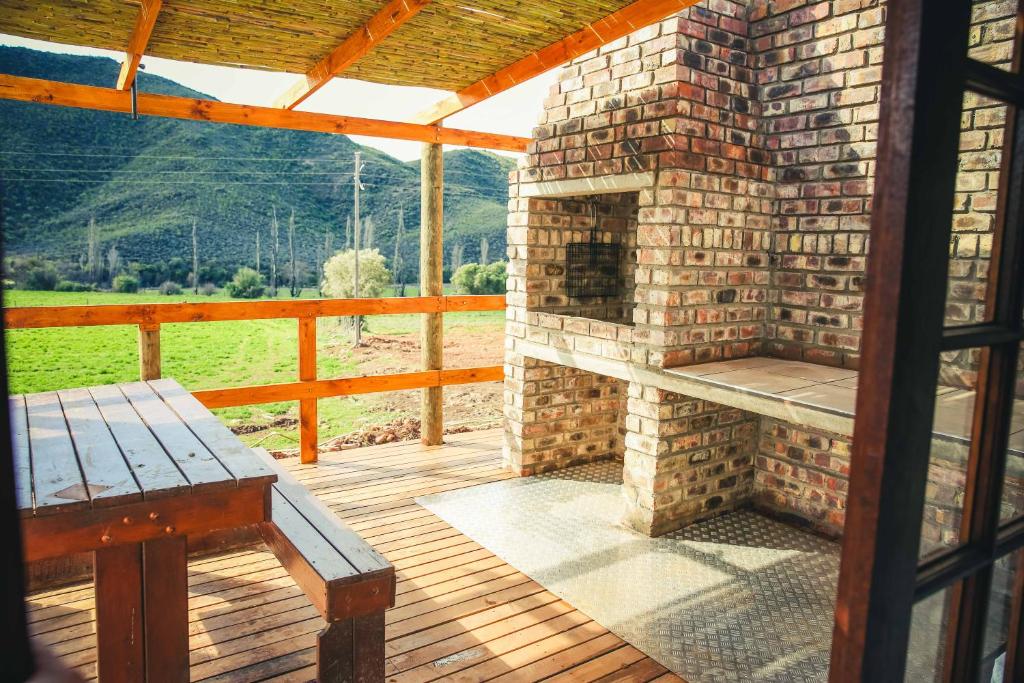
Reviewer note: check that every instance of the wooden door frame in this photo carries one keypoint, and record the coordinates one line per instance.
(925, 74)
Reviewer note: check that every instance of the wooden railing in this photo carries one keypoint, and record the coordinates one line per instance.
(308, 388)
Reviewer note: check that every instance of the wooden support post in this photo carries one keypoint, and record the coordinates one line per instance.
(119, 613)
(149, 351)
(431, 284)
(307, 406)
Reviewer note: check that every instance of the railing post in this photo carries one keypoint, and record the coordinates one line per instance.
(307, 406)
(149, 351)
(431, 284)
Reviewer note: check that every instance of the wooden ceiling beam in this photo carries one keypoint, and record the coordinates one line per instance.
(614, 26)
(355, 47)
(144, 24)
(109, 99)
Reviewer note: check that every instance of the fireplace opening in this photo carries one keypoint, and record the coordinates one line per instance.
(589, 269)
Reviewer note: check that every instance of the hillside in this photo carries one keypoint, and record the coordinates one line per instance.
(144, 181)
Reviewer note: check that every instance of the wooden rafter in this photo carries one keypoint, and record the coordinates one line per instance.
(137, 43)
(387, 20)
(108, 99)
(614, 26)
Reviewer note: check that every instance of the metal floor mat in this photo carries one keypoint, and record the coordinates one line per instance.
(737, 598)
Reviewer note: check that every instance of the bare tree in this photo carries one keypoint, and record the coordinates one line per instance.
(113, 262)
(369, 230)
(396, 260)
(258, 250)
(291, 254)
(274, 248)
(321, 257)
(456, 262)
(348, 232)
(485, 248)
(195, 257)
(92, 254)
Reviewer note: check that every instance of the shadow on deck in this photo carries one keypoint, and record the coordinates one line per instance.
(461, 613)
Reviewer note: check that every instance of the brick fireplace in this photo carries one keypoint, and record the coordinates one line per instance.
(729, 151)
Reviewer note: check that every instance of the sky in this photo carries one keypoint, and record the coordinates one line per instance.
(513, 112)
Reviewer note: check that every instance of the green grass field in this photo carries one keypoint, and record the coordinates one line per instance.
(206, 356)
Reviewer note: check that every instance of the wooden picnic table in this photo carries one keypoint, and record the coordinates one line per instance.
(130, 471)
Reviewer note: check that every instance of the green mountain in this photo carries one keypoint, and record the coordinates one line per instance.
(144, 181)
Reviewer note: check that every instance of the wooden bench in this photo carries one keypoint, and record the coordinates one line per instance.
(345, 578)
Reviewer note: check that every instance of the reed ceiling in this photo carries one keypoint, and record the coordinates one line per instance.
(449, 45)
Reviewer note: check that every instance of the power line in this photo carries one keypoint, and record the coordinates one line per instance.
(92, 155)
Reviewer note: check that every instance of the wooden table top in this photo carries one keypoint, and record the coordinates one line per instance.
(97, 447)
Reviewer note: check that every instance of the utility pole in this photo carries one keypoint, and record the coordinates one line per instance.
(357, 229)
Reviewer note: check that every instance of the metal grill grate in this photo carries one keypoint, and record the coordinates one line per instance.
(592, 267)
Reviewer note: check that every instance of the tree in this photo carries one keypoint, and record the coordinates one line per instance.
(456, 261)
(323, 256)
(274, 248)
(348, 233)
(474, 278)
(258, 269)
(396, 260)
(339, 274)
(485, 249)
(195, 257)
(92, 253)
(369, 232)
(113, 262)
(293, 288)
(246, 284)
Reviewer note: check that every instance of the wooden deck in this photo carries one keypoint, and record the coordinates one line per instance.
(462, 614)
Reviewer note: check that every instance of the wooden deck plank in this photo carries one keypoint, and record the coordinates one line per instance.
(154, 469)
(57, 482)
(218, 439)
(198, 465)
(461, 612)
(22, 456)
(107, 475)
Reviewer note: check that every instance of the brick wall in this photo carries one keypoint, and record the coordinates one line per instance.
(558, 417)
(685, 459)
(755, 123)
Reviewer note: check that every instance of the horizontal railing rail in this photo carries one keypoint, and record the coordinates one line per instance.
(149, 317)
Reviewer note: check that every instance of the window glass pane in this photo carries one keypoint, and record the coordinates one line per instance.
(974, 208)
(991, 36)
(997, 628)
(950, 446)
(1013, 483)
(928, 630)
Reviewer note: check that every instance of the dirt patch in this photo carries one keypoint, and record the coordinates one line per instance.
(276, 423)
(477, 406)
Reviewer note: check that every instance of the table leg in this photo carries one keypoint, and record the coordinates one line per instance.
(165, 586)
(119, 614)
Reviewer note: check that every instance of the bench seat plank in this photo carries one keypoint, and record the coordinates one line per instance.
(343, 576)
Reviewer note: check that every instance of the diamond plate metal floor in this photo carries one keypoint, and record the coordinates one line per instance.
(738, 598)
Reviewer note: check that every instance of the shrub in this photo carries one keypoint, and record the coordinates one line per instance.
(207, 289)
(339, 271)
(246, 284)
(42, 277)
(170, 288)
(8, 283)
(71, 286)
(472, 278)
(126, 284)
